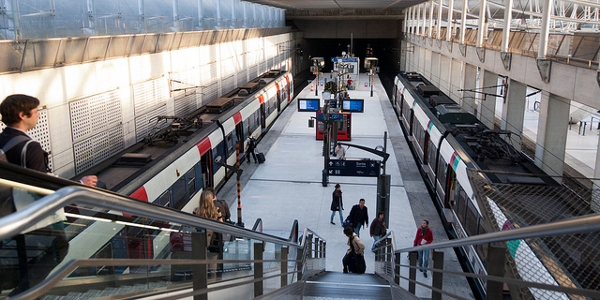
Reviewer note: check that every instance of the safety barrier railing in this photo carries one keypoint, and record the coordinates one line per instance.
(153, 246)
(496, 244)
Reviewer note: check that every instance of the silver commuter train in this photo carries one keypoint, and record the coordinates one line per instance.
(446, 141)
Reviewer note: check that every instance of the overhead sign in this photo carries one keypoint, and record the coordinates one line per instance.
(308, 104)
(354, 167)
(353, 105)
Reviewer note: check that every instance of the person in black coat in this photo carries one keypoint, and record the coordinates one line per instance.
(20, 113)
(337, 204)
(251, 147)
(359, 216)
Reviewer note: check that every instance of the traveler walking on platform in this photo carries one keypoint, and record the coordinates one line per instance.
(340, 151)
(377, 229)
(337, 204)
(424, 237)
(251, 148)
(359, 216)
(20, 113)
(354, 260)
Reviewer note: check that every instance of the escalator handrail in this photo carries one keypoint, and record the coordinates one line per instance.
(294, 232)
(257, 225)
(17, 222)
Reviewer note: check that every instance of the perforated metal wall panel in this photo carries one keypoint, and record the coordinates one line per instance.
(97, 128)
(210, 86)
(242, 77)
(91, 115)
(40, 133)
(253, 71)
(147, 122)
(227, 84)
(263, 67)
(184, 90)
(98, 148)
(148, 95)
(227, 67)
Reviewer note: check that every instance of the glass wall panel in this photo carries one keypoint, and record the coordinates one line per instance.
(40, 19)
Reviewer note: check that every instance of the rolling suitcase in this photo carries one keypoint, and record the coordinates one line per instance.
(261, 157)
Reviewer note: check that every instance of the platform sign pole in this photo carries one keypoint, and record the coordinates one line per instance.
(383, 188)
(326, 136)
(317, 83)
(238, 176)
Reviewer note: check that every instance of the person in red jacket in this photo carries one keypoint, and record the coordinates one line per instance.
(424, 237)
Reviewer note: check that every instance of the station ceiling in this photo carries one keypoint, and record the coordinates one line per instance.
(346, 9)
(334, 4)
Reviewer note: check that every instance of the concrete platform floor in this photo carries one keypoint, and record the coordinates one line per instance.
(288, 185)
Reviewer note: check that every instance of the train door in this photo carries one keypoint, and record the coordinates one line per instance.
(278, 98)
(410, 122)
(263, 116)
(207, 169)
(241, 137)
(450, 187)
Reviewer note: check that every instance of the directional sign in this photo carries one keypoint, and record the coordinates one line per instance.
(353, 167)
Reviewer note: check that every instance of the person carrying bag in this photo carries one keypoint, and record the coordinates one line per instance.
(354, 260)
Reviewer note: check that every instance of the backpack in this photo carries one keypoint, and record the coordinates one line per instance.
(10, 144)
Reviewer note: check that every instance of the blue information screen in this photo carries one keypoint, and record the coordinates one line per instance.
(353, 105)
(308, 104)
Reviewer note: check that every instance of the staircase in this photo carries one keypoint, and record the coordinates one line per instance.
(328, 285)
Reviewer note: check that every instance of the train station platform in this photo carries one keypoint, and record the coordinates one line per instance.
(288, 185)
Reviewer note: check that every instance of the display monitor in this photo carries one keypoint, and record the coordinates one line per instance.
(353, 105)
(308, 104)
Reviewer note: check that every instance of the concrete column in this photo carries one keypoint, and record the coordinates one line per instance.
(445, 69)
(427, 67)
(456, 80)
(545, 29)
(512, 114)
(470, 83)
(463, 21)
(431, 5)
(552, 133)
(418, 29)
(424, 19)
(487, 106)
(481, 32)
(406, 20)
(450, 20)
(435, 68)
(438, 26)
(409, 20)
(506, 28)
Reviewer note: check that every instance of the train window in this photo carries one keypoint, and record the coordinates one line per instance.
(431, 153)
(471, 220)
(191, 182)
(179, 193)
(406, 112)
(230, 148)
(441, 172)
(482, 248)
(220, 152)
(256, 120)
(461, 205)
(164, 199)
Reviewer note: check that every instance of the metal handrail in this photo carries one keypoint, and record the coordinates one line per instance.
(575, 225)
(258, 225)
(19, 221)
(294, 232)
